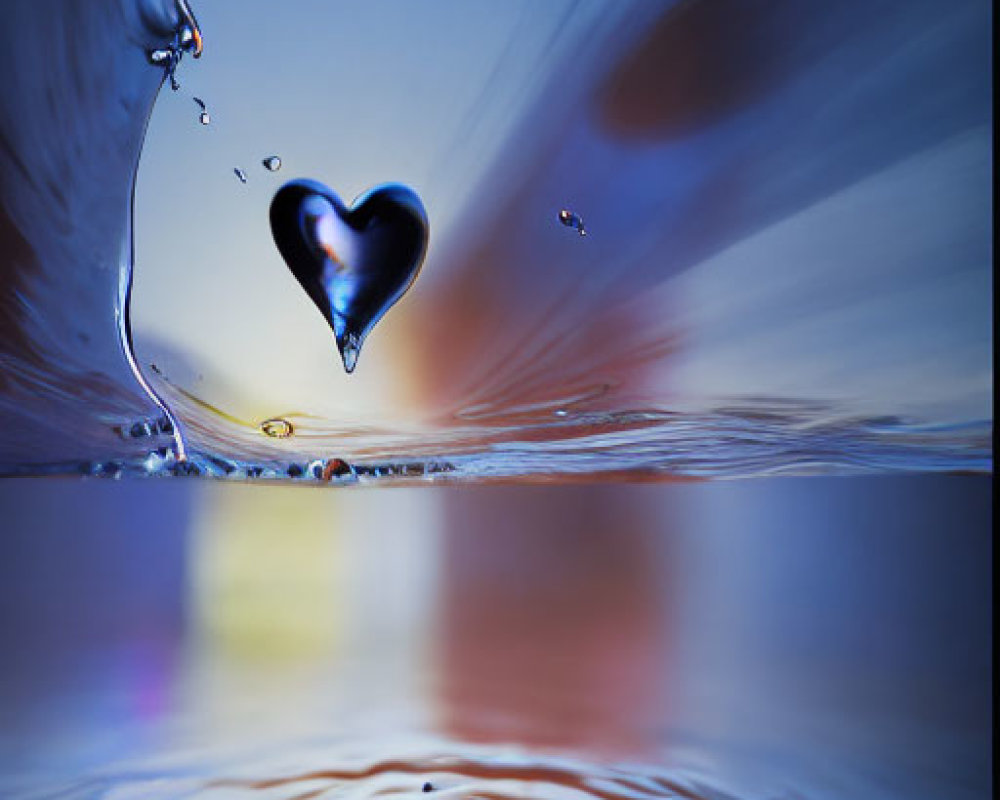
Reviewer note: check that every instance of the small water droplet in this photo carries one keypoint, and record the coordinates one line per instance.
(561, 412)
(571, 220)
(160, 57)
(272, 163)
(276, 428)
(240, 174)
(428, 787)
(140, 429)
(204, 117)
(336, 468)
(350, 349)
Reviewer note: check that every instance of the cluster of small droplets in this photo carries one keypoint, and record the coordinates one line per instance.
(186, 39)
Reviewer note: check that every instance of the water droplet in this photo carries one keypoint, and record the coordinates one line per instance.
(428, 787)
(240, 174)
(160, 57)
(204, 118)
(350, 349)
(561, 412)
(571, 220)
(185, 468)
(140, 429)
(272, 163)
(336, 468)
(276, 428)
(354, 263)
(109, 469)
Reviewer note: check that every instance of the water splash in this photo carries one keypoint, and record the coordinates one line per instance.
(186, 39)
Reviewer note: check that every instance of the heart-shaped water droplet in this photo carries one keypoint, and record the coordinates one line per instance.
(356, 262)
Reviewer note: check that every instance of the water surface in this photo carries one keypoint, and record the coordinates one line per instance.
(786, 266)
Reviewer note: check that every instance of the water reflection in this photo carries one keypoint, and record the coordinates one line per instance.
(556, 614)
(808, 638)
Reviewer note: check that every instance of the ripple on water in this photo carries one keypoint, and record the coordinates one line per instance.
(504, 776)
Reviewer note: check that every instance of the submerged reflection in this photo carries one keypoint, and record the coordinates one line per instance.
(555, 618)
(816, 638)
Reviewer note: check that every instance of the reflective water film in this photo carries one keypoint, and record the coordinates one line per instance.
(813, 638)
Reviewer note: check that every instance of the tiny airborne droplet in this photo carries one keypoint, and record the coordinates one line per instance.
(204, 118)
(272, 163)
(571, 220)
(276, 428)
(240, 174)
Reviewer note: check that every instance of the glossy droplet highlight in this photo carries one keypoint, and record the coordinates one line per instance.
(276, 428)
(354, 263)
(571, 220)
(240, 174)
(272, 163)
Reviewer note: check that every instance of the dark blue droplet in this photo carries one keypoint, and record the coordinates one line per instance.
(354, 263)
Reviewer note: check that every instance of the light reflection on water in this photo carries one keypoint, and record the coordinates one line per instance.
(778, 638)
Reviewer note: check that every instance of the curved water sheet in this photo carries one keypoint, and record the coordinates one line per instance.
(786, 264)
(77, 95)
